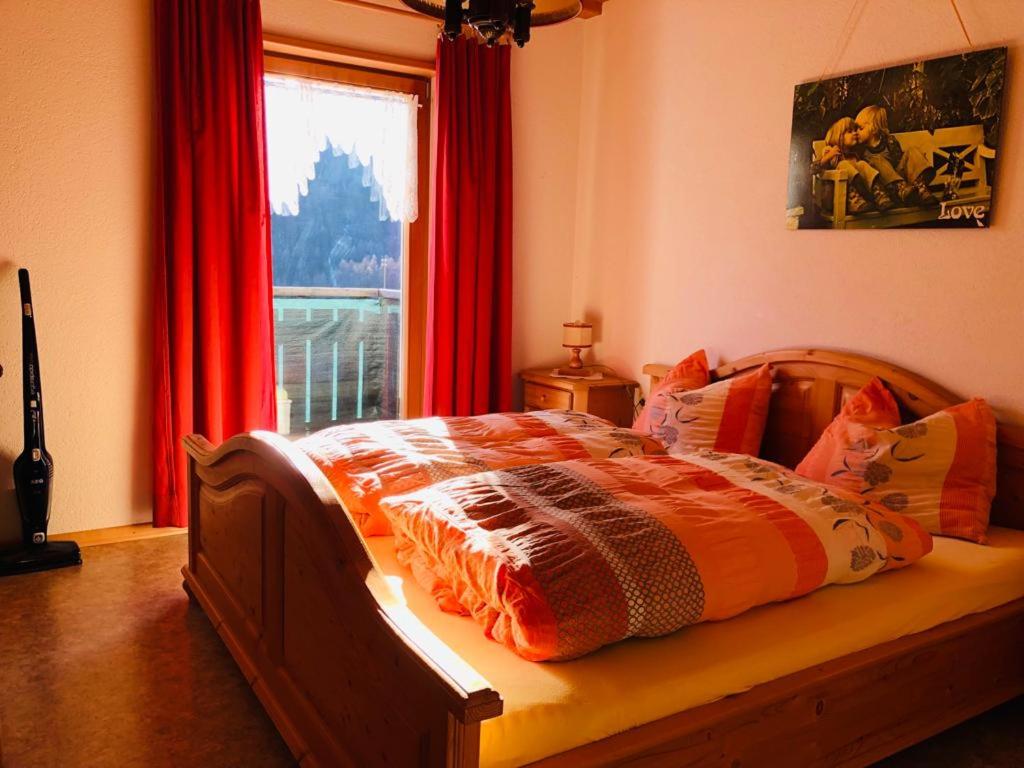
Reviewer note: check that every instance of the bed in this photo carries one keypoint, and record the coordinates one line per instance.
(357, 667)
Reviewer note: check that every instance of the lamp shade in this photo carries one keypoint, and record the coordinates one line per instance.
(577, 335)
(544, 11)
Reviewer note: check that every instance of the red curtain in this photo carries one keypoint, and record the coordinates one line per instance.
(469, 314)
(213, 316)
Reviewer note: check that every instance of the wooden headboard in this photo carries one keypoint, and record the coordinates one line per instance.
(811, 386)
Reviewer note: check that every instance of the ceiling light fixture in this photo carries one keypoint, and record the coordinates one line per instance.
(493, 19)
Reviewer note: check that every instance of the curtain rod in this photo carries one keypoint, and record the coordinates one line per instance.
(369, 5)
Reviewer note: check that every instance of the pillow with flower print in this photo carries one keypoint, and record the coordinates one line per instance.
(940, 470)
(726, 416)
(873, 406)
(689, 373)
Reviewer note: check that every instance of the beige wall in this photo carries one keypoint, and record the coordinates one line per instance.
(651, 160)
(684, 153)
(545, 128)
(75, 143)
(330, 22)
(546, 78)
(75, 101)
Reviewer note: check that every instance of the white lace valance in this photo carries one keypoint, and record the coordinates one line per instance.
(376, 128)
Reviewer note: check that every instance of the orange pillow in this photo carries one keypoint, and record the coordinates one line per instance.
(940, 470)
(726, 416)
(690, 373)
(873, 406)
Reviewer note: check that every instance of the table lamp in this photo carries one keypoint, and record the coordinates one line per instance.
(576, 336)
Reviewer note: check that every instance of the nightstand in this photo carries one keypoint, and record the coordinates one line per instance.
(611, 397)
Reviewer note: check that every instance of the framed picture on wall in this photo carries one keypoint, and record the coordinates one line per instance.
(910, 146)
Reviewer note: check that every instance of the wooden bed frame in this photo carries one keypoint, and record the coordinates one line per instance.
(351, 678)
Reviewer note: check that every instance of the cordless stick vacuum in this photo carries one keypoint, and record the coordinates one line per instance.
(33, 469)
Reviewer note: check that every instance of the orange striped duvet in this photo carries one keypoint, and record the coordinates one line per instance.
(368, 462)
(558, 560)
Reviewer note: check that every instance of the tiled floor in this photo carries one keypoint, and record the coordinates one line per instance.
(109, 665)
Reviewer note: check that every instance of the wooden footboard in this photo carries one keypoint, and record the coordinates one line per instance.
(348, 674)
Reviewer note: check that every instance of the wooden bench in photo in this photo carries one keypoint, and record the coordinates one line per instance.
(943, 145)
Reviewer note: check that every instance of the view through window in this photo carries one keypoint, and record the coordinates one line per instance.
(342, 163)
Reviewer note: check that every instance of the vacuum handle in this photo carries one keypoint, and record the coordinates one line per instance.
(32, 387)
(26, 288)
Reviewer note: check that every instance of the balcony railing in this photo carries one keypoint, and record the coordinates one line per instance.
(337, 356)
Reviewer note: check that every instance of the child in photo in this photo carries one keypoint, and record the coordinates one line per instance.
(906, 173)
(865, 190)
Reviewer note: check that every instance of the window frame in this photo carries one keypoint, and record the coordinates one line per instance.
(285, 56)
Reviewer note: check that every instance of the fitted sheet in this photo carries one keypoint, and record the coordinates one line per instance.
(552, 707)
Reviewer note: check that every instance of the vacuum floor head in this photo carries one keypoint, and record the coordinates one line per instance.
(40, 557)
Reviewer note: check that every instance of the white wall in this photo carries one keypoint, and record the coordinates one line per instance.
(651, 161)
(546, 77)
(326, 21)
(650, 175)
(75, 149)
(685, 135)
(75, 154)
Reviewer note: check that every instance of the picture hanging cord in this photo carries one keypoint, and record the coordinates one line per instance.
(845, 33)
(850, 25)
(963, 27)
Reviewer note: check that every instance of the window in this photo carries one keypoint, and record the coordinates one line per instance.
(347, 150)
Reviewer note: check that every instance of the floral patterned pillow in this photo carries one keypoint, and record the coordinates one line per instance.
(873, 406)
(727, 416)
(689, 373)
(940, 470)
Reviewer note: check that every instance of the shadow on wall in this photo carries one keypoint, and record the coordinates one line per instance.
(10, 521)
(142, 425)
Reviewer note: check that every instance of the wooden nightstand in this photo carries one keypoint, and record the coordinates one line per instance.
(610, 398)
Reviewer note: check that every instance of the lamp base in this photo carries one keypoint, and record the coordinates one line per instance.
(40, 557)
(578, 373)
(575, 362)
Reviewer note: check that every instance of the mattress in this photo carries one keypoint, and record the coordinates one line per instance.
(553, 707)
